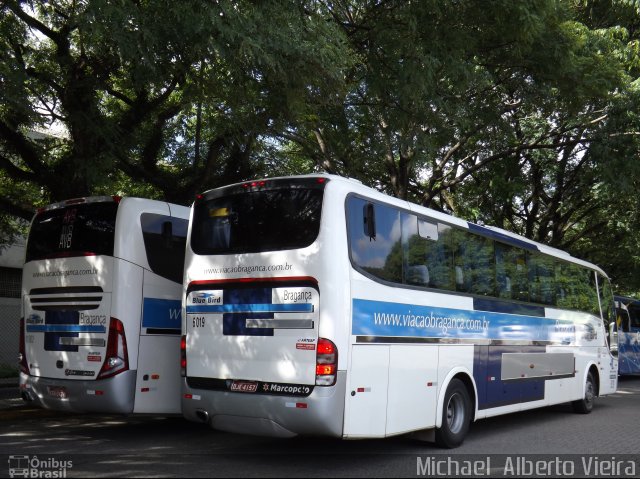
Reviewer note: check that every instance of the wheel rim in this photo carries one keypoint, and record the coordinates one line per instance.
(455, 413)
(588, 396)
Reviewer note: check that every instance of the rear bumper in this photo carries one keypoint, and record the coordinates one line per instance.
(113, 395)
(319, 414)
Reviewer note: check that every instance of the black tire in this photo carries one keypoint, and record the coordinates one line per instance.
(585, 405)
(456, 416)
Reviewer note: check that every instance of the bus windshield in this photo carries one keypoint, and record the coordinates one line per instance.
(278, 218)
(75, 230)
(634, 315)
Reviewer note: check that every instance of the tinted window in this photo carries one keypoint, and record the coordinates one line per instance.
(511, 273)
(575, 288)
(254, 221)
(165, 240)
(381, 255)
(541, 278)
(474, 263)
(622, 319)
(606, 301)
(73, 231)
(634, 314)
(406, 249)
(427, 252)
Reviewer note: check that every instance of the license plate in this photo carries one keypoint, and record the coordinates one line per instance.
(244, 386)
(58, 392)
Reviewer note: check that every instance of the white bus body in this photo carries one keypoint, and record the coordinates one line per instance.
(310, 307)
(101, 293)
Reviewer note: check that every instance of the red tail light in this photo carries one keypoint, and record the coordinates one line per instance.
(117, 358)
(326, 363)
(183, 356)
(22, 357)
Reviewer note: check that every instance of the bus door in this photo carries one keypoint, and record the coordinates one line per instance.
(609, 354)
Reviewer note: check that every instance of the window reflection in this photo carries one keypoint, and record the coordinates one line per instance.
(423, 253)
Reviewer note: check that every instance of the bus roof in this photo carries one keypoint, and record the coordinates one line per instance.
(498, 234)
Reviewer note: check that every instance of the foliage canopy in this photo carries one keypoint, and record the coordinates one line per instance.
(522, 115)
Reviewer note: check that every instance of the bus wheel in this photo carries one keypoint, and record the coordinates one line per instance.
(456, 415)
(585, 405)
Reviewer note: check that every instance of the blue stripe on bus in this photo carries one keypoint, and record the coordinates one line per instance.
(496, 235)
(252, 308)
(378, 318)
(64, 328)
(162, 313)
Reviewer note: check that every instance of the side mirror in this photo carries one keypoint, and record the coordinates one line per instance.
(613, 339)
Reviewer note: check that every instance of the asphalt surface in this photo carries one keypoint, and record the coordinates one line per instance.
(115, 446)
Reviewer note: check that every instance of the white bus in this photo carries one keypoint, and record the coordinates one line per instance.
(101, 291)
(315, 305)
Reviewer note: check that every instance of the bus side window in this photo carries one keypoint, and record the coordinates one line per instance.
(475, 263)
(606, 301)
(622, 320)
(440, 259)
(541, 271)
(511, 273)
(428, 257)
(634, 316)
(380, 256)
(165, 240)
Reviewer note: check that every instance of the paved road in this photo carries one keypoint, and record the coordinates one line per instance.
(109, 446)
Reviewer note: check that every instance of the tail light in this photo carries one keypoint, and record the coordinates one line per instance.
(326, 363)
(183, 356)
(117, 359)
(22, 357)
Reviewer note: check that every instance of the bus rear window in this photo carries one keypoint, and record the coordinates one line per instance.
(253, 221)
(77, 230)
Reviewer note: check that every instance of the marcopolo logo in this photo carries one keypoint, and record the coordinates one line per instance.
(27, 466)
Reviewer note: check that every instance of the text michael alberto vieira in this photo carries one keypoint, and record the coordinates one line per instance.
(523, 466)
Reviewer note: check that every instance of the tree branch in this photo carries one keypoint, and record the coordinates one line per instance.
(23, 147)
(12, 209)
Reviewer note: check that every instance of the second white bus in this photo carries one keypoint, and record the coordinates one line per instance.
(315, 305)
(101, 306)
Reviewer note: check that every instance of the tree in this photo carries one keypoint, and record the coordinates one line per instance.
(432, 98)
(173, 94)
(581, 194)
